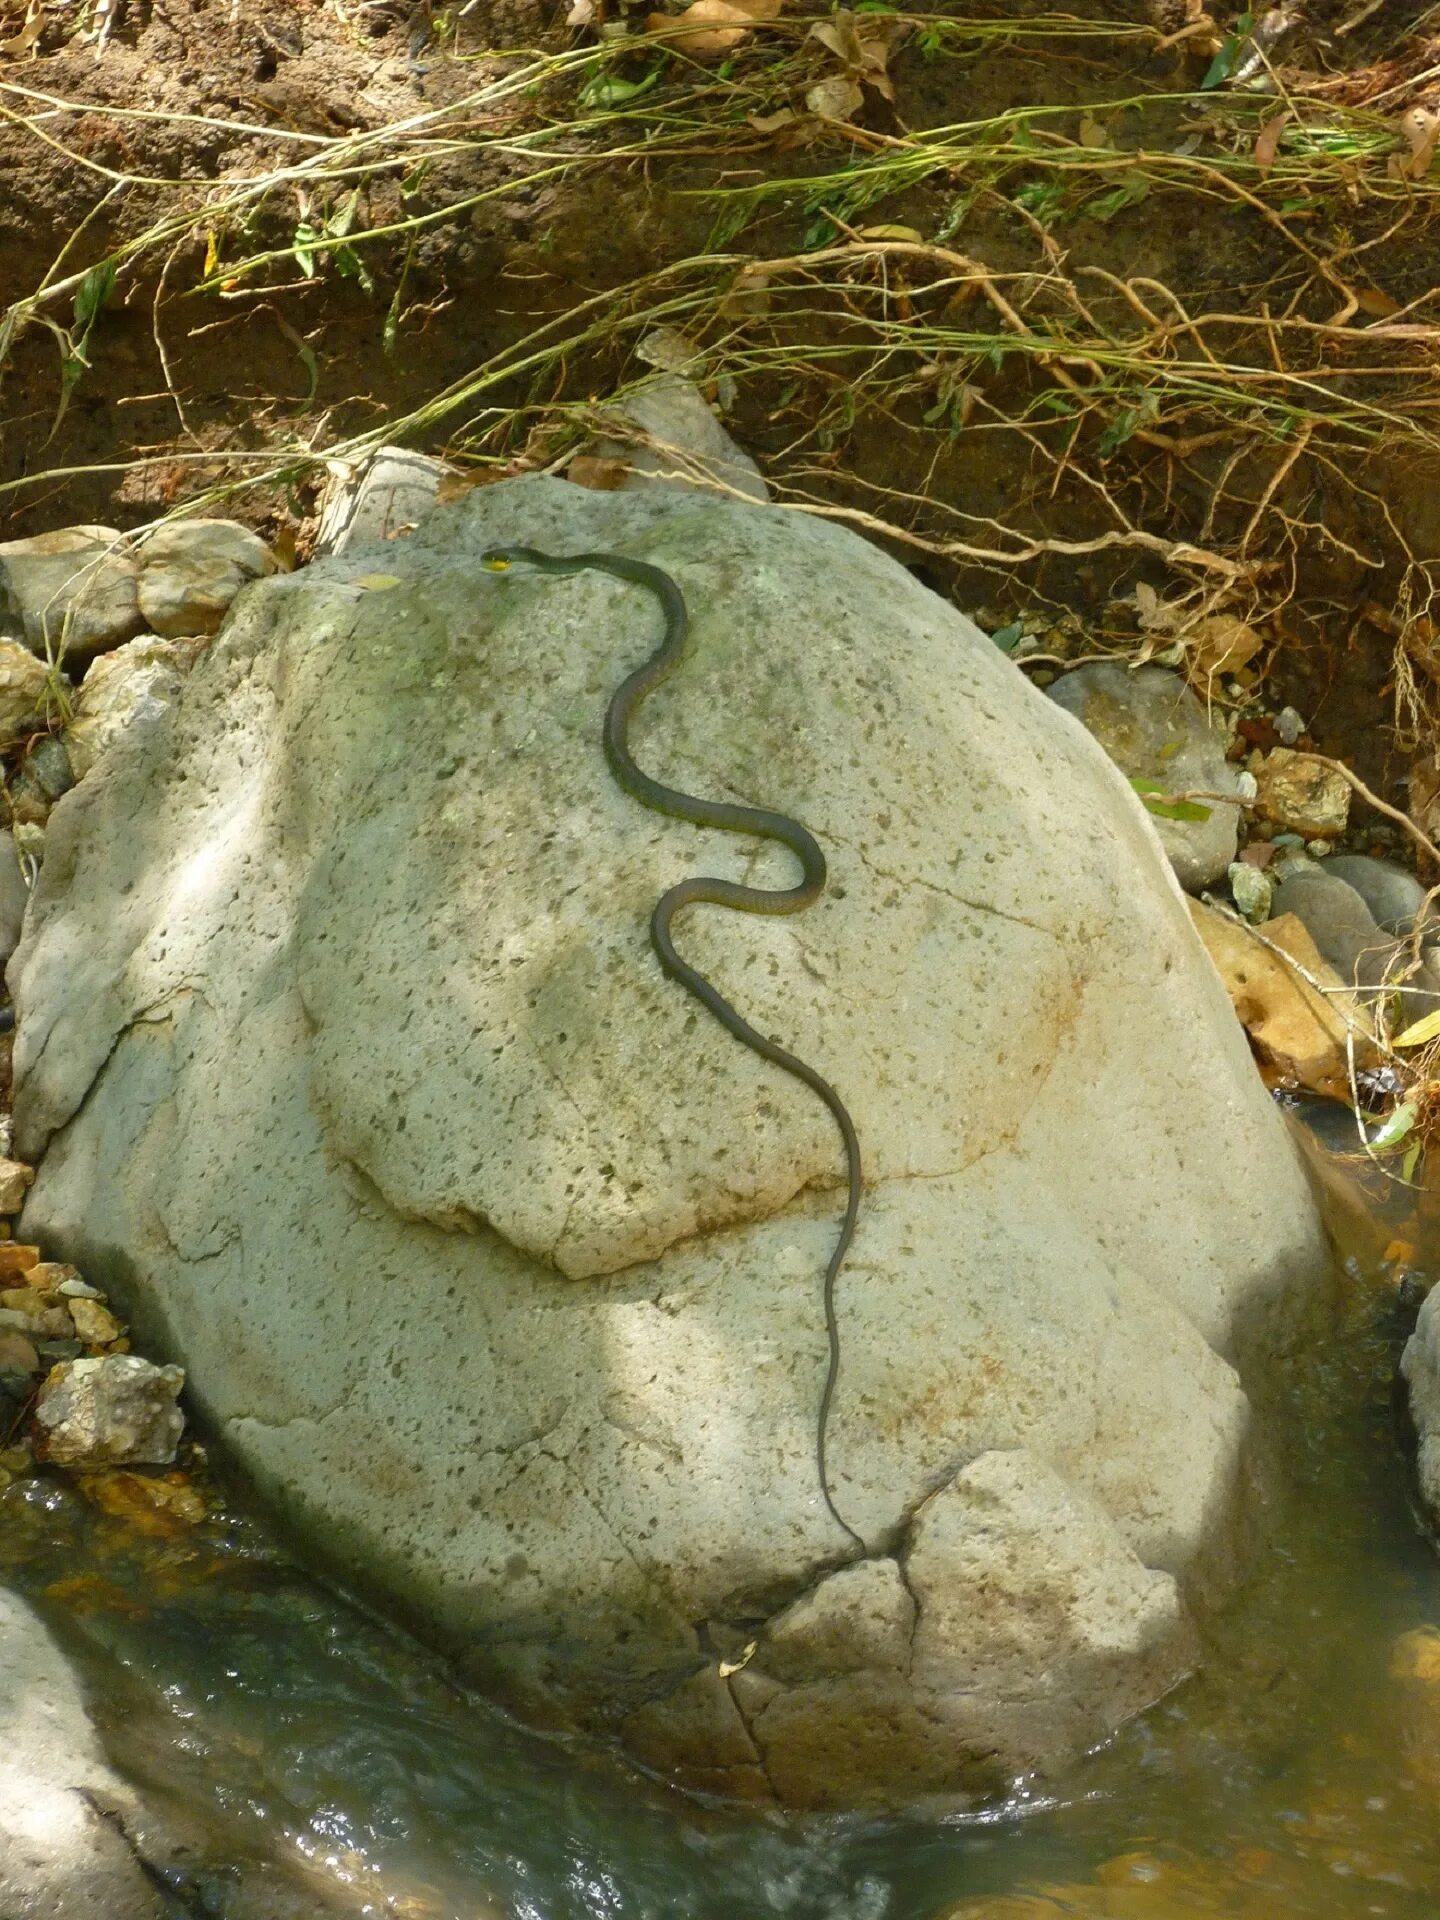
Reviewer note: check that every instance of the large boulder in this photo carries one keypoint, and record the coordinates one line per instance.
(497, 1262)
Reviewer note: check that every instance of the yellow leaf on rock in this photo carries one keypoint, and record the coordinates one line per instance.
(1423, 1030)
(377, 582)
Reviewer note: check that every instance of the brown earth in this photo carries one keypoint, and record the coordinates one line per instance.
(188, 383)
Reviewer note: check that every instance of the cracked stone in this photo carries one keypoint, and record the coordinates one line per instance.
(118, 1410)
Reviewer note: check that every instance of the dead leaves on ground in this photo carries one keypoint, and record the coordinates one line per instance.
(859, 44)
(709, 29)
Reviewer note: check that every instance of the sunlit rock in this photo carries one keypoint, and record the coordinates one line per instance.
(497, 1262)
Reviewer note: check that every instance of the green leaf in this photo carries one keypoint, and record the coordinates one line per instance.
(1133, 188)
(303, 247)
(1392, 1131)
(1150, 790)
(1224, 63)
(1420, 1032)
(609, 90)
(1411, 1160)
(92, 293)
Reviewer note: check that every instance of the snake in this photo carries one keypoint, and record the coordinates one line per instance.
(757, 822)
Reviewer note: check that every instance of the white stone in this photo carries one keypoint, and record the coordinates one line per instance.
(115, 1411)
(498, 1262)
(389, 492)
(129, 687)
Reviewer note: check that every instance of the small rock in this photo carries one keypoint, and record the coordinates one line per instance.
(76, 1289)
(130, 686)
(17, 1355)
(669, 436)
(24, 692)
(1251, 891)
(39, 1315)
(48, 765)
(1288, 726)
(165, 1506)
(68, 594)
(391, 491)
(1299, 792)
(16, 1258)
(117, 1410)
(1300, 1028)
(94, 1324)
(1153, 728)
(1344, 930)
(50, 1276)
(14, 898)
(15, 1179)
(190, 571)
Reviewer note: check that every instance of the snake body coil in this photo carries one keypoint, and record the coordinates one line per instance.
(713, 892)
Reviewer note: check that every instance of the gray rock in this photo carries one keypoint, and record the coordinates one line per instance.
(498, 1264)
(48, 765)
(1343, 928)
(63, 1854)
(115, 1411)
(389, 492)
(1153, 728)
(69, 595)
(191, 570)
(1288, 726)
(668, 435)
(1392, 895)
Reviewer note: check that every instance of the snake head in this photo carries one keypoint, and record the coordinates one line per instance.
(496, 560)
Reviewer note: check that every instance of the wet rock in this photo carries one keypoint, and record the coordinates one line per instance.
(1153, 728)
(667, 434)
(191, 570)
(61, 1857)
(1392, 895)
(1298, 792)
(24, 692)
(1301, 1029)
(564, 1471)
(16, 1179)
(389, 493)
(117, 1410)
(130, 687)
(68, 595)
(1415, 1668)
(39, 1315)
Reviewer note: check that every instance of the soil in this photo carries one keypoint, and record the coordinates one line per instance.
(187, 384)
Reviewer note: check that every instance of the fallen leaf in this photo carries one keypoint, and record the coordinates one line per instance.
(1392, 1131)
(599, 474)
(771, 122)
(910, 234)
(1420, 1032)
(862, 44)
(749, 294)
(377, 582)
(1221, 643)
(1093, 133)
(1268, 144)
(583, 13)
(709, 29)
(29, 33)
(1372, 301)
(836, 99)
(1419, 128)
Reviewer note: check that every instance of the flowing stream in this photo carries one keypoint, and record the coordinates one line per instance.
(309, 1751)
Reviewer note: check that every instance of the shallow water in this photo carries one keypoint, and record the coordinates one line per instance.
(272, 1722)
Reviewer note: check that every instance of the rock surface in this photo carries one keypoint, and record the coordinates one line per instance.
(24, 686)
(1153, 728)
(668, 436)
(498, 1264)
(63, 1854)
(130, 687)
(68, 595)
(114, 1411)
(389, 493)
(191, 570)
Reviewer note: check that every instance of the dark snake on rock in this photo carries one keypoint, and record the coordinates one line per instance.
(757, 821)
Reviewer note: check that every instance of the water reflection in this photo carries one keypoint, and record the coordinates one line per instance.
(269, 1722)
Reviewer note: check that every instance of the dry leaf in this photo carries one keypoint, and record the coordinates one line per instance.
(583, 13)
(29, 33)
(771, 122)
(377, 582)
(1419, 128)
(599, 474)
(1092, 133)
(1268, 144)
(1221, 643)
(862, 46)
(910, 234)
(709, 29)
(1372, 301)
(837, 99)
